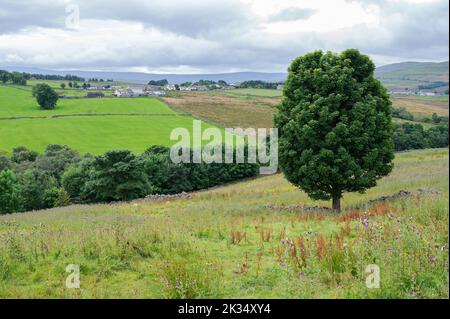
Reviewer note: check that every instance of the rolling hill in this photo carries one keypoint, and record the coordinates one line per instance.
(399, 76)
(143, 78)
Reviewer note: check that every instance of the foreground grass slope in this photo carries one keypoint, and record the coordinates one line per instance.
(241, 240)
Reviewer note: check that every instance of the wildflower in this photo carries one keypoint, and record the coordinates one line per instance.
(365, 222)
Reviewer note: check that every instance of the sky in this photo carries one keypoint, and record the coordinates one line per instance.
(190, 36)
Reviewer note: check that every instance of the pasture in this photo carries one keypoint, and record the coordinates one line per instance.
(423, 105)
(87, 125)
(248, 240)
(255, 108)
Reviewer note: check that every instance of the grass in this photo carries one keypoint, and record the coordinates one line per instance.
(226, 110)
(254, 92)
(16, 102)
(255, 108)
(137, 123)
(95, 135)
(227, 243)
(423, 105)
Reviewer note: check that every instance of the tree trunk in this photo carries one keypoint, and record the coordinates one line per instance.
(337, 204)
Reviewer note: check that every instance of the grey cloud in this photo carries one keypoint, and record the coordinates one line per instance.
(414, 31)
(16, 15)
(222, 35)
(190, 18)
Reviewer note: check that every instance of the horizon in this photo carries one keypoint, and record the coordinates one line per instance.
(14, 67)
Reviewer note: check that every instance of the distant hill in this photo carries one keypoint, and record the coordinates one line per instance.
(428, 76)
(143, 78)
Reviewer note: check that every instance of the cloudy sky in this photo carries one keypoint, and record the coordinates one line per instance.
(190, 36)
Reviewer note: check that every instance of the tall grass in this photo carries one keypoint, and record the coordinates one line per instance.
(227, 243)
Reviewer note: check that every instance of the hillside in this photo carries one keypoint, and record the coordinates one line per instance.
(397, 76)
(249, 240)
(410, 75)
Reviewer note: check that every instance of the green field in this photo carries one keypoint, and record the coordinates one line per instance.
(228, 243)
(134, 123)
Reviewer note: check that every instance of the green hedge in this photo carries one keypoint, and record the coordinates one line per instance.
(60, 176)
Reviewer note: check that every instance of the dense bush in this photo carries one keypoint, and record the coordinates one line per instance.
(5, 163)
(22, 154)
(59, 176)
(10, 197)
(45, 96)
(56, 159)
(117, 175)
(402, 113)
(409, 136)
(13, 77)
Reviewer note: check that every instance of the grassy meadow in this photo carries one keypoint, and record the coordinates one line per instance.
(244, 240)
(423, 105)
(256, 107)
(125, 123)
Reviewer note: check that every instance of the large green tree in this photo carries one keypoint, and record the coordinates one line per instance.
(335, 126)
(117, 175)
(45, 96)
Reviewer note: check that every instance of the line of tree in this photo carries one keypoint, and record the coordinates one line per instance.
(208, 83)
(12, 77)
(60, 176)
(260, 85)
(21, 78)
(162, 82)
(433, 85)
(99, 80)
(404, 114)
(52, 77)
(409, 136)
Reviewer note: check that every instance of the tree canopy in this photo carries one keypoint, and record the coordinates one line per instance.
(335, 126)
(45, 96)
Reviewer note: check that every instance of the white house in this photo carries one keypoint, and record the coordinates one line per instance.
(124, 93)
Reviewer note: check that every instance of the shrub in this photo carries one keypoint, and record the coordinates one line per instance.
(56, 159)
(36, 189)
(63, 198)
(22, 154)
(45, 96)
(117, 175)
(75, 178)
(10, 199)
(5, 163)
